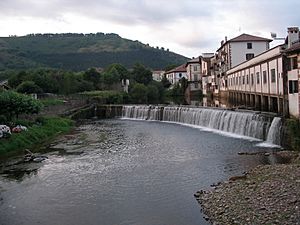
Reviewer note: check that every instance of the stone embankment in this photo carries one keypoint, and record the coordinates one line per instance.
(268, 194)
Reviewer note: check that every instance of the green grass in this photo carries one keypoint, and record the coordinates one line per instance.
(52, 101)
(47, 129)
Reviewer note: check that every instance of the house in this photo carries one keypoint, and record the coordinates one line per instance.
(293, 70)
(206, 73)
(236, 51)
(176, 74)
(194, 74)
(157, 75)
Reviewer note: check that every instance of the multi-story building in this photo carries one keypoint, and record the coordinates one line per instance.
(194, 75)
(207, 78)
(236, 51)
(176, 74)
(293, 70)
(259, 82)
(269, 81)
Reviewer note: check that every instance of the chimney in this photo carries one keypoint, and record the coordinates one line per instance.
(225, 38)
(293, 35)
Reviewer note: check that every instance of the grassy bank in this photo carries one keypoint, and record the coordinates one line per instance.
(45, 129)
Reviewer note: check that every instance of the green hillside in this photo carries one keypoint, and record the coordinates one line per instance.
(80, 51)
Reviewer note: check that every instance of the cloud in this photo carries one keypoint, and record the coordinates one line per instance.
(189, 26)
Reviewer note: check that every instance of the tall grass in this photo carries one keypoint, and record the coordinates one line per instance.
(45, 130)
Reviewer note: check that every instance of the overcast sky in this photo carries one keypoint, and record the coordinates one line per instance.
(188, 27)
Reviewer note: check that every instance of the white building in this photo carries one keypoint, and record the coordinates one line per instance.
(293, 70)
(176, 74)
(236, 51)
(259, 82)
(157, 75)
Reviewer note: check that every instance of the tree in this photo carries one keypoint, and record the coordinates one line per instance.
(152, 94)
(92, 75)
(138, 93)
(165, 82)
(28, 87)
(17, 79)
(141, 75)
(111, 77)
(14, 104)
(123, 73)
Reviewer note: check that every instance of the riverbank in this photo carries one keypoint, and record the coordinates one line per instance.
(268, 194)
(45, 129)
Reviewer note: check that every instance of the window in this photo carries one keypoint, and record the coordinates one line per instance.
(294, 63)
(249, 45)
(252, 79)
(196, 85)
(243, 79)
(257, 78)
(249, 56)
(247, 79)
(265, 77)
(195, 68)
(293, 86)
(195, 77)
(273, 75)
(180, 75)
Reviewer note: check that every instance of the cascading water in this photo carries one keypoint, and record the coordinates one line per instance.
(241, 123)
(274, 134)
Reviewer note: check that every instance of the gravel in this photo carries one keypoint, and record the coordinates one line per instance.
(268, 194)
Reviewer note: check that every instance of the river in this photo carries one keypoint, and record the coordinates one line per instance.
(123, 172)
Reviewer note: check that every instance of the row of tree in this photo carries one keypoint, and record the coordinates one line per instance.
(142, 89)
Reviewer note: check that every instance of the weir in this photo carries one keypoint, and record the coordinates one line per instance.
(245, 123)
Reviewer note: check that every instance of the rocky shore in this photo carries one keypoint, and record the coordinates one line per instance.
(268, 194)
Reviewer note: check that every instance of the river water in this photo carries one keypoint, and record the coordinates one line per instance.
(122, 172)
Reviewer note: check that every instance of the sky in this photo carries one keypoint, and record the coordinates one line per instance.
(187, 27)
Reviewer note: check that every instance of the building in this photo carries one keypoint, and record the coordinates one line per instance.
(293, 70)
(157, 75)
(259, 82)
(194, 74)
(234, 52)
(269, 81)
(176, 74)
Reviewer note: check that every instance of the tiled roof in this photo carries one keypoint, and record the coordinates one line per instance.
(245, 38)
(178, 69)
(248, 37)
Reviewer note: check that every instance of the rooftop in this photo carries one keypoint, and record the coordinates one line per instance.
(178, 69)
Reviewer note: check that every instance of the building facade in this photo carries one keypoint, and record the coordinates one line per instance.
(157, 75)
(259, 82)
(176, 74)
(293, 70)
(234, 52)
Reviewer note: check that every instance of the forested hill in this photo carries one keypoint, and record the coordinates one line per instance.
(80, 51)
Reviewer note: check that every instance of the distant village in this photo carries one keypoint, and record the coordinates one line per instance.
(247, 72)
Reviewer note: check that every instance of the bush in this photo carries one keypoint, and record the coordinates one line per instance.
(13, 104)
(28, 87)
(293, 133)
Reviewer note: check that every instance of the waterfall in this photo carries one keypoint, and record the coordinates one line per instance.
(248, 124)
(274, 134)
